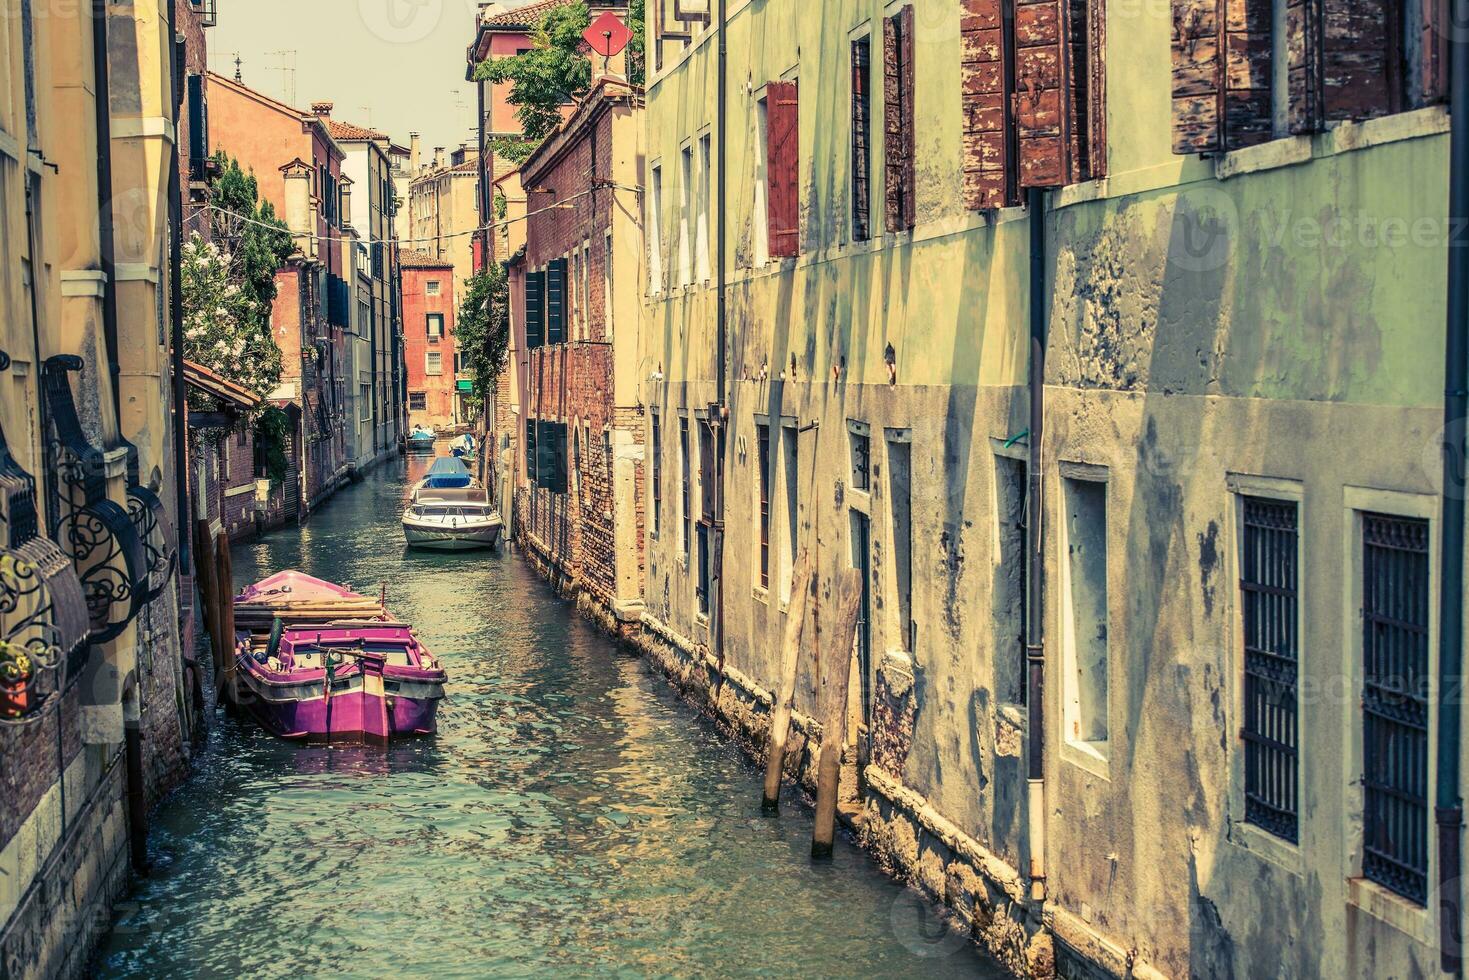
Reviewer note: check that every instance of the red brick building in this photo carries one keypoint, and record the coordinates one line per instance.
(428, 341)
(577, 444)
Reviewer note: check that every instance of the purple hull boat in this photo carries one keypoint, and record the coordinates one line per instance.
(318, 662)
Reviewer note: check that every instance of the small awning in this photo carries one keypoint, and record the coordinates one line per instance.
(200, 378)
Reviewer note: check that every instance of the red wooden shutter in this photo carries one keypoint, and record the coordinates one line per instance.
(909, 211)
(1434, 66)
(1039, 119)
(1303, 53)
(1196, 76)
(1361, 70)
(782, 120)
(987, 163)
(892, 123)
(1248, 46)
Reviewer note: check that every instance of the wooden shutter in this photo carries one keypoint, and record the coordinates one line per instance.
(897, 116)
(1197, 76)
(988, 163)
(531, 454)
(782, 119)
(1361, 69)
(535, 309)
(1303, 54)
(1040, 121)
(1434, 63)
(862, 139)
(198, 127)
(1248, 49)
(556, 301)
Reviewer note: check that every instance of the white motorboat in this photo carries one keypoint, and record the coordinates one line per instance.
(451, 519)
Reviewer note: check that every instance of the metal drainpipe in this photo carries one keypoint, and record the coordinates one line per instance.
(176, 327)
(1035, 650)
(104, 209)
(1449, 810)
(721, 443)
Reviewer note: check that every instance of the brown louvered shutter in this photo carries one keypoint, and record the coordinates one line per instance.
(1303, 52)
(1248, 47)
(1196, 76)
(1434, 66)
(988, 167)
(910, 128)
(1361, 64)
(1039, 120)
(782, 120)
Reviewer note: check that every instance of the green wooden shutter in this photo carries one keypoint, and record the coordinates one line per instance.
(556, 302)
(535, 309)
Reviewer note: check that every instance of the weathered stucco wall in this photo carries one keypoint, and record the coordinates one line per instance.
(1274, 314)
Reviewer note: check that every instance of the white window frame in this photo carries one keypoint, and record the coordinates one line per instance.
(686, 207)
(428, 360)
(1085, 755)
(705, 164)
(654, 224)
(760, 214)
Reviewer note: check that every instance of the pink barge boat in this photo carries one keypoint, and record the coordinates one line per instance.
(318, 662)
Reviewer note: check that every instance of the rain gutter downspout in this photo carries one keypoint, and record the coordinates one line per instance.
(104, 209)
(1449, 809)
(1035, 650)
(176, 325)
(722, 320)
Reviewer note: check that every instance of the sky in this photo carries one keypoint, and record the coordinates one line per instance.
(394, 65)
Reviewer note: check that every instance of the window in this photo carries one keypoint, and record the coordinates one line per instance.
(435, 326)
(417, 401)
(860, 443)
(556, 301)
(860, 531)
(1395, 689)
(686, 209)
(1033, 97)
(578, 303)
(242, 436)
(704, 529)
(1270, 623)
(760, 220)
(657, 442)
(1294, 68)
(607, 288)
(532, 454)
(655, 230)
(762, 460)
(783, 164)
(1084, 621)
(790, 439)
(687, 513)
(898, 121)
(900, 502)
(432, 288)
(586, 292)
(550, 454)
(701, 235)
(861, 139)
(433, 362)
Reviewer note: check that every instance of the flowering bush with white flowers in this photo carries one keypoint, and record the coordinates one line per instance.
(226, 328)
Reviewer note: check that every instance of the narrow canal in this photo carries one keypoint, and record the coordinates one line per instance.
(571, 816)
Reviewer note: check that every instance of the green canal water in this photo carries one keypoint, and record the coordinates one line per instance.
(572, 817)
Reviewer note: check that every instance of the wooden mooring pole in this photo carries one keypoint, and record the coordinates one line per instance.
(225, 585)
(780, 716)
(836, 668)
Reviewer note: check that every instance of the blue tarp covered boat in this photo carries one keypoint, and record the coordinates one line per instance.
(448, 473)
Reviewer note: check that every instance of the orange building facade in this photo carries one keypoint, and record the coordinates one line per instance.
(428, 341)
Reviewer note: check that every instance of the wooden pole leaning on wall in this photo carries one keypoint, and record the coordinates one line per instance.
(780, 717)
(836, 668)
(226, 592)
(209, 598)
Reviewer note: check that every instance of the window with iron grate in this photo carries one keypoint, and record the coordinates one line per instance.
(1395, 638)
(1270, 616)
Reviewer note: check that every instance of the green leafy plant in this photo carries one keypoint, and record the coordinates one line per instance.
(224, 328)
(482, 329)
(556, 70)
(272, 432)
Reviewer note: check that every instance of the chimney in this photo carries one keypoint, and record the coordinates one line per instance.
(438, 158)
(322, 110)
(413, 150)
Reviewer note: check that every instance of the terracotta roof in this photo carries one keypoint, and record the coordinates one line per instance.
(200, 377)
(410, 259)
(347, 131)
(528, 16)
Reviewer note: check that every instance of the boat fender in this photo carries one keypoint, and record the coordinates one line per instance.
(277, 627)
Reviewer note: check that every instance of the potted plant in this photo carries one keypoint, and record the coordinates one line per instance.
(15, 673)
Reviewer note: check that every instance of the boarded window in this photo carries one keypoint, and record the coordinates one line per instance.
(898, 122)
(551, 460)
(782, 105)
(861, 139)
(535, 309)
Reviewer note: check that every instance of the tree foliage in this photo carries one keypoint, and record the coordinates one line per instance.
(248, 229)
(557, 70)
(482, 329)
(224, 329)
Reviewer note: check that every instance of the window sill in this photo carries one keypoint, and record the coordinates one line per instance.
(760, 594)
(1392, 909)
(1267, 847)
(1345, 137)
(1086, 756)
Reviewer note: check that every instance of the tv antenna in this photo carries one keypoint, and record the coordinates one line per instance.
(287, 68)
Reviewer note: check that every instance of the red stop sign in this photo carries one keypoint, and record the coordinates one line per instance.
(607, 35)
